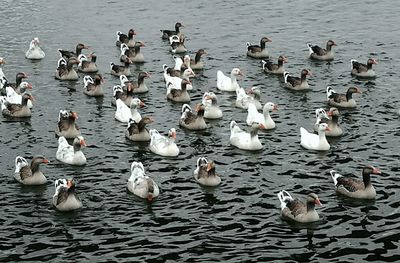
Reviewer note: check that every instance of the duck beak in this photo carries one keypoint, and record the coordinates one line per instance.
(330, 114)
(285, 60)
(275, 107)
(82, 142)
(45, 161)
(210, 165)
(29, 86)
(142, 45)
(74, 115)
(309, 73)
(374, 61)
(148, 75)
(261, 126)
(173, 135)
(376, 171)
(32, 98)
(70, 183)
(327, 129)
(142, 104)
(150, 197)
(358, 90)
(318, 202)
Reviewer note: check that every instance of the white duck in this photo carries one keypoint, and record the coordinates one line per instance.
(71, 154)
(124, 113)
(140, 184)
(245, 140)
(312, 141)
(34, 51)
(164, 146)
(65, 198)
(14, 98)
(205, 173)
(244, 99)
(30, 174)
(263, 118)
(225, 83)
(176, 81)
(211, 108)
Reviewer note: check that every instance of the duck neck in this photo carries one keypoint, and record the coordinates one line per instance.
(134, 110)
(262, 44)
(34, 166)
(303, 77)
(254, 132)
(335, 118)
(310, 206)
(233, 79)
(177, 29)
(328, 47)
(137, 49)
(94, 58)
(24, 101)
(141, 125)
(197, 58)
(140, 80)
(369, 65)
(280, 63)
(211, 172)
(349, 95)
(127, 64)
(366, 178)
(78, 51)
(77, 147)
(200, 113)
(69, 65)
(322, 137)
(18, 81)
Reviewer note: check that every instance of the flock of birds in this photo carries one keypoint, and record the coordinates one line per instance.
(17, 102)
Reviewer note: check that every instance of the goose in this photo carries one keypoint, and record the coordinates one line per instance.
(18, 80)
(263, 118)
(35, 52)
(137, 131)
(318, 53)
(124, 113)
(174, 78)
(93, 87)
(197, 64)
(66, 125)
(129, 39)
(355, 188)
(245, 140)
(342, 100)
(65, 70)
(269, 67)
(331, 118)
(245, 98)
(297, 211)
(140, 184)
(71, 154)
(166, 34)
(87, 66)
(70, 54)
(258, 51)
(2, 76)
(118, 70)
(13, 110)
(65, 199)
(30, 174)
(191, 120)
(296, 83)
(363, 70)
(178, 46)
(225, 83)
(118, 93)
(178, 95)
(211, 108)
(164, 146)
(140, 87)
(127, 87)
(205, 173)
(312, 141)
(137, 55)
(14, 97)
(126, 53)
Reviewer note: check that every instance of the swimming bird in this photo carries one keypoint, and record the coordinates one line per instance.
(363, 70)
(30, 174)
(312, 141)
(164, 146)
(269, 67)
(245, 140)
(71, 154)
(65, 198)
(258, 51)
(137, 131)
(35, 52)
(331, 118)
(177, 44)
(69, 54)
(205, 173)
(355, 188)
(191, 120)
(65, 70)
(296, 83)
(297, 211)
(93, 86)
(13, 110)
(225, 83)
(250, 96)
(166, 34)
(140, 184)
(197, 64)
(342, 100)
(211, 108)
(15, 96)
(318, 53)
(123, 113)
(137, 54)
(87, 66)
(2, 76)
(178, 95)
(66, 125)
(263, 118)
(118, 70)
(129, 39)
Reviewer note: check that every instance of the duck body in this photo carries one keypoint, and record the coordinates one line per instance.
(65, 199)
(258, 51)
(363, 70)
(205, 174)
(297, 211)
(178, 95)
(312, 141)
(71, 154)
(65, 70)
(13, 97)
(12, 110)
(129, 39)
(70, 54)
(164, 146)
(191, 120)
(177, 44)
(342, 100)
(321, 54)
(87, 66)
(197, 64)
(123, 113)
(118, 70)
(296, 83)
(142, 185)
(211, 108)
(245, 140)
(278, 69)
(93, 87)
(35, 52)
(137, 131)
(262, 118)
(66, 125)
(225, 83)
(166, 34)
(244, 99)
(30, 174)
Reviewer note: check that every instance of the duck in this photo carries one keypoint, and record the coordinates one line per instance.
(142, 185)
(65, 70)
(12, 110)
(331, 118)
(250, 96)
(137, 131)
(124, 113)
(178, 95)
(211, 108)
(258, 51)
(164, 146)
(66, 125)
(70, 54)
(191, 120)
(263, 118)
(197, 64)
(297, 211)
(137, 55)
(177, 44)
(225, 83)
(174, 77)
(318, 53)
(312, 141)
(129, 39)
(93, 87)
(2, 75)
(127, 87)
(166, 34)
(296, 83)
(140, 87)
(342, 100)
(18, 80)
(278, 69)
(71, 154)
(126, 53)
(30, 174)
(355, 188)
(245, 140)
(15, 97)
(118, 93)
(205, 174)
(118, 70)
(35, 52)
(363, 70)
(65, 198)
(87, 66)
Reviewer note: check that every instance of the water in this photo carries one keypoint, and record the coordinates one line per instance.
(238, 221)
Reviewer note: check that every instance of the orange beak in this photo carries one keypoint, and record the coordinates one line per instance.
(29, 86)
(358, 90)
(275, 107)
(74, 115)
(82, 142)
(150, 197)
(327, 129)
(261, 126)
(142, 104)
(69, 184)
(317, 202)
(173, 135)
(376, 171)
(210, 166)
(45, 161)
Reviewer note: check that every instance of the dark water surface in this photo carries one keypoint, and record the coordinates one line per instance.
(239, 220)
